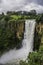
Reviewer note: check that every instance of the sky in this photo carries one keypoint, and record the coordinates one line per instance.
(24, 5)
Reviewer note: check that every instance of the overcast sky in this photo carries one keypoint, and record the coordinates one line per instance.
(27, 5)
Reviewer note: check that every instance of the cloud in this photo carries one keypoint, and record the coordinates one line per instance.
(7, 5)
(32, 6)
(40, 2)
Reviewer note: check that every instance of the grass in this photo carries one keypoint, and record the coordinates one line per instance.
(16, 17)
(20, 17)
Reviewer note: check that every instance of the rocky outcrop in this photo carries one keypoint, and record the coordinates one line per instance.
(11, 35)
(38, 36)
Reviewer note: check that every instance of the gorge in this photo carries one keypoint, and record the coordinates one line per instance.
(16, 55)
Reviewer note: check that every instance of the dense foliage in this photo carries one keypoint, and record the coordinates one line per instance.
(8, 33)
(34, 58)
(12, 30)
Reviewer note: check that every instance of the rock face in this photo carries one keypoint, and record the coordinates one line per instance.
(15, 55)
(11, 32)
(38, 38)
(20, 33)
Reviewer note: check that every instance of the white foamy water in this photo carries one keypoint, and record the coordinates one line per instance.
(21, 54)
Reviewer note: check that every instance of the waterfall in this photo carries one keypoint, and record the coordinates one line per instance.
(21, 54)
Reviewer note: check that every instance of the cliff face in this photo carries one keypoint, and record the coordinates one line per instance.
(20, 33)
(38, 38)
(11, 35)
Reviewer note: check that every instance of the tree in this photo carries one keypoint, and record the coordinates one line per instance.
(33, 12)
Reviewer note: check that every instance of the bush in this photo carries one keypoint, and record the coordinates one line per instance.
(23, 63)
(34, 58)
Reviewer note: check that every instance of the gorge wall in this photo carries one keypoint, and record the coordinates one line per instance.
(38, 36)
(11, 32)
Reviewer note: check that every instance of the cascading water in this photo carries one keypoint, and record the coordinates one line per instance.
(21, 54)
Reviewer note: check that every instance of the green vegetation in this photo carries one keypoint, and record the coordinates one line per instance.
(11, 33)
(34, 58)
(38, 35)
(12, 26)
(16, 17)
